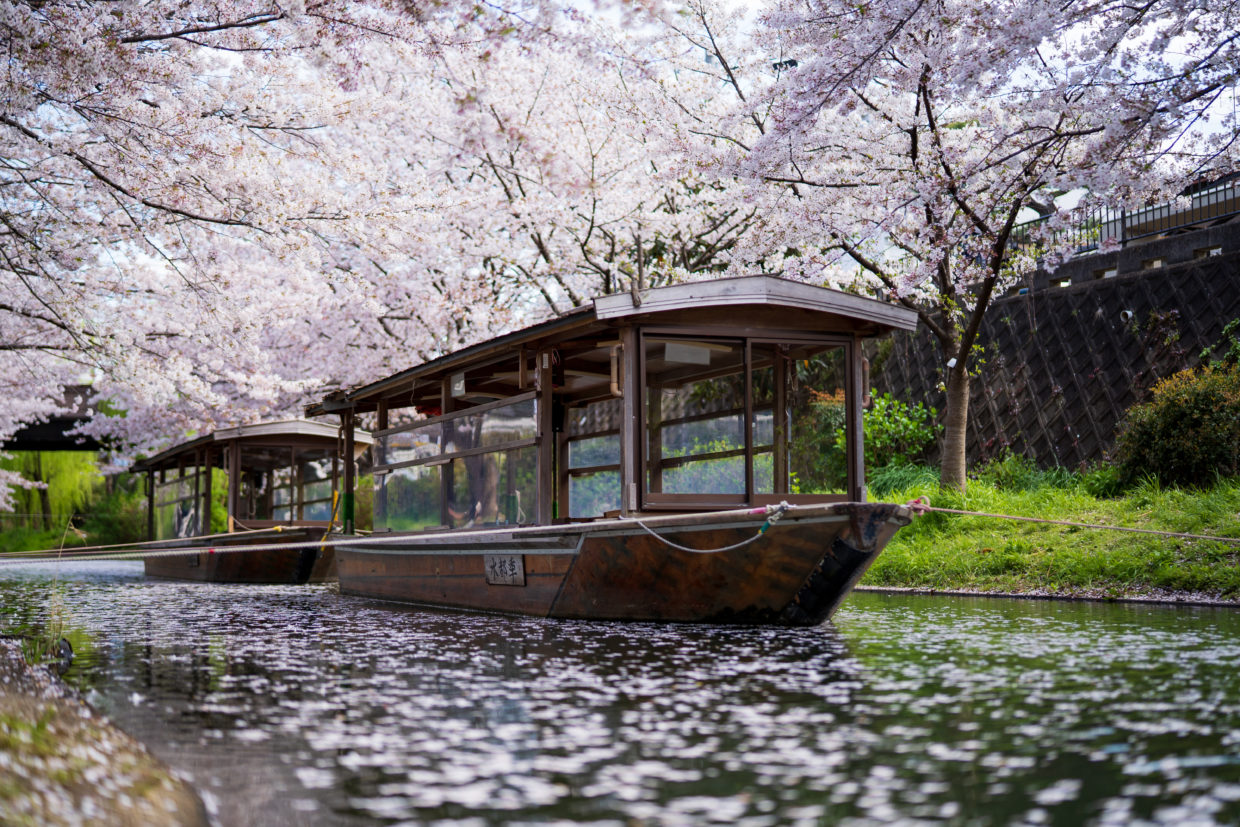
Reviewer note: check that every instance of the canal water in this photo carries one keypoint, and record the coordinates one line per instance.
(295, 705)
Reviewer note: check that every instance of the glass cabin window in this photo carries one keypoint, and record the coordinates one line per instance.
(265, 482)
(177, 503)
(474, 467)
(695, 417)
(593, 458)
(763, 383)
(728, 421)
(283, 485)
(495, 488)
(314, 479)
(409, 499)
(817, 414)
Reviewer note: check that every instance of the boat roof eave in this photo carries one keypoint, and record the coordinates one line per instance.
(288, 427)
(283, 428)
(608, 311)
(162, 458)
(757, 290)
(578, 317)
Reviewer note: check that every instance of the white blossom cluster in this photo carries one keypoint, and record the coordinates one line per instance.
(212, 212)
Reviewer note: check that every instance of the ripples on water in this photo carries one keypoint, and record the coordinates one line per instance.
(294, 705)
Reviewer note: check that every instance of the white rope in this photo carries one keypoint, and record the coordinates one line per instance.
(136, 553)
(921, 505)
(774, 512)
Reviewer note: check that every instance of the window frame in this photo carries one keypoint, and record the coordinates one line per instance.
(447, 459)
(652, 501)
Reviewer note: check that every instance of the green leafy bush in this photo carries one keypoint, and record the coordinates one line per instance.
(1189, 433)
(890, 478)
(896, 433)
(1012, 472)
(1228, 346)
(1103, 481)
(119, 514)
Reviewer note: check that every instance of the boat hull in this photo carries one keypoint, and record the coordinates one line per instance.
(273, 566)
(797, 573)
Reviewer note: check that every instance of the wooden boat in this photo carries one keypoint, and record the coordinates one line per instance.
(666, 456)
(273, 483)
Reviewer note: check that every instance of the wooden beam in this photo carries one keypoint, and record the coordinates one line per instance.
(630, 422)
(780, 415)
(205, 468)
(350, 472)
(150, 505)
(546, 438)
(854, 423)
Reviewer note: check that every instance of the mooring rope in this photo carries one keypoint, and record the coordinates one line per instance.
(921, 505)
(144, 550)
(88, 551)
(773, 513)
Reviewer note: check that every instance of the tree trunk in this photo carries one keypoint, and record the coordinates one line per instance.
(952, 473)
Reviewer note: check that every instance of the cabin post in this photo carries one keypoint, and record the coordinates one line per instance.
(447, 403)
(748, 424)
(346, 422)
(150, 504)
(546, 439)
(630, 437)
(205, 468)
(855, 424)
(782, 421)
(233, 452)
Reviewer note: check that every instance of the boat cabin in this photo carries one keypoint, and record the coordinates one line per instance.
(704, 396)
(251, 477)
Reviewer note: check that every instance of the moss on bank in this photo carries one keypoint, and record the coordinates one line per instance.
(952, 552)
(62, 763)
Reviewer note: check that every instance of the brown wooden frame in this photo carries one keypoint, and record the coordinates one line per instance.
(208, 453)
(658, 501)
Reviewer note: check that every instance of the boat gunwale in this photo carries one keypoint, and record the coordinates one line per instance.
(450, 541)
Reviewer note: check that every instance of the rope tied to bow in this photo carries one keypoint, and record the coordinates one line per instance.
(921, 505)
(773, 513)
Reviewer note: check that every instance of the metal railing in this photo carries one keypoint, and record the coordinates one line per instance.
(1106, 226)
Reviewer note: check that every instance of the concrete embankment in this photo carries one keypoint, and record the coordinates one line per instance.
(62, 763)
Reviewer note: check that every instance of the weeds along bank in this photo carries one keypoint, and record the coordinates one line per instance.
(1176, 470)
(954, 552)
(63, 763)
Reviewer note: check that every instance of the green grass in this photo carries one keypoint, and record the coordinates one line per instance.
(947, 551)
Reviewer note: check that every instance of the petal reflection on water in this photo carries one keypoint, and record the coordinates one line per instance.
(294, 705)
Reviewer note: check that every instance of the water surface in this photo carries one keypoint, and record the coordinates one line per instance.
(295, 705)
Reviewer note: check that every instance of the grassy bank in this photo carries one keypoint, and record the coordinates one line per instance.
(949, 552)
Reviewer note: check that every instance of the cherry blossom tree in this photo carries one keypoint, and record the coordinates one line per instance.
(213, 209)
(553, 196)
(909, 138)
(153, 235)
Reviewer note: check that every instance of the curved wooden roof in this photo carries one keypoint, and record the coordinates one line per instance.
(753, 304)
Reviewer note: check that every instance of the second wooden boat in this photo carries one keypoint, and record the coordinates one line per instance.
(273, 483)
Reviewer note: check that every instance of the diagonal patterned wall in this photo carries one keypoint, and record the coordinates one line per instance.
(1063, 363)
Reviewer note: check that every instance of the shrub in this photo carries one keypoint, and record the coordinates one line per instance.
(893, 478)
(896, 433)
(1102, 481)
(119, 515)
(1189, 433)
(1012, 472)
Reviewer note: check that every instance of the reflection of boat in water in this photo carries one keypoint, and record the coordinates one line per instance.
(273, 483)
(692, 456)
